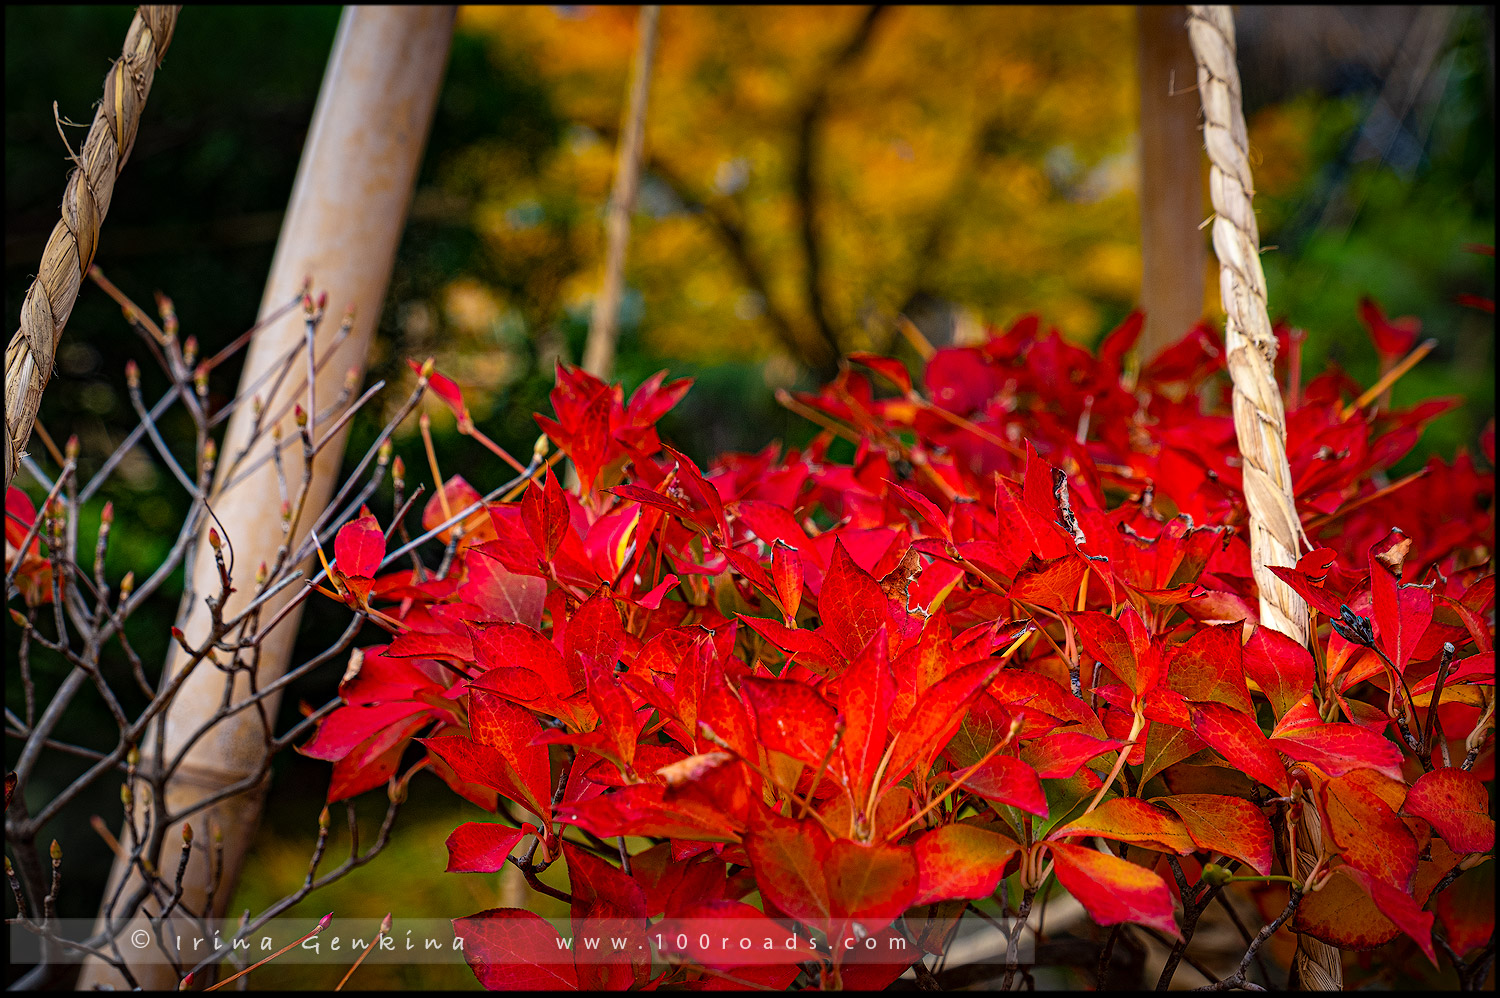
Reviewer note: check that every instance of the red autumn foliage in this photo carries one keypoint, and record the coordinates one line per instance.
(1018, 619)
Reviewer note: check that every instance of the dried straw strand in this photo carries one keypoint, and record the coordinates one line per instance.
(70, 250)
(1259, 419)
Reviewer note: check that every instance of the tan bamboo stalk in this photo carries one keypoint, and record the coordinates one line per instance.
(1259, 419)
(599, 351)
(70, 249)
(1173, 250)
(347, 212)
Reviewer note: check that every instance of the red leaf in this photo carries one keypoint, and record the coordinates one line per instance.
(359, 546)
(1121, 645)
(1209, 666)
(445, 389)
(1281, 667)
(1053, 584)
(594, 637)
(1401, 612)
(867, 692)
(1338, 748)
(524, 780)
(937, 714)
(1317, 597)
(641, 809)
(347, 727)
(892, 369)
(851, 604)
(1230, 825)
(788, 858)
(933, 517)
(1392, 337)
(1113, 890)
(768, 943)
(1398, 906)
(1236, 737)
(513, 950)
(1366, 829)
(501, 594)
(1058, 755)
(1130, 819)
(791, 717)
(961, 861)
(482, 846)
(869, 884)
(1008, 780)
(1457, 805)
(786, 575)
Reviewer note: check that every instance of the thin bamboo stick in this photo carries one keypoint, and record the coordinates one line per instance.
(346, 215)
(599, 351)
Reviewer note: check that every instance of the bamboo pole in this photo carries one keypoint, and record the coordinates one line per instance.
(347, 212)
(70, 250)
(1259, 419)
(1173, 250)
(599, 351)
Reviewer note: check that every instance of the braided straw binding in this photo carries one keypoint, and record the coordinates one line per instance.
(1259, 419)
(70, 250)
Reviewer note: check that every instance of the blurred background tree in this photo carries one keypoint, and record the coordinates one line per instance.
(811, 174)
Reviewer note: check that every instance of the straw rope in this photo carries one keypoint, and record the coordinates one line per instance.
(1259, 419)
(70, 250)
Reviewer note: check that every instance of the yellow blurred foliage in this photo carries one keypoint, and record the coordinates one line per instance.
(979, 156)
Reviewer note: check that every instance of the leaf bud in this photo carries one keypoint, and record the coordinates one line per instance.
(322, 301)
(539, 449)
(398, 469)
(351, 380)
(1216, 875)
(56, 851)
(132, 374)
(200, 380)
(126, 797)
(383, 454)
(427, 366)
(324, 922)
(168, 313)
(210, 452)
(286, 511)
(213, 539)
(70, 449)
(133, 757)
(261, 574)
(107, 514)
(300, 415)
(190, 350)
(307, 301)
(385, 923)
(18, 617)
(127, 585)
(323, 819)
(185, 983)
(187, 835)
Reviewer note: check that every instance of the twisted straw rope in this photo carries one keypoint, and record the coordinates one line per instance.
(70, 250)
(1259, 419)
